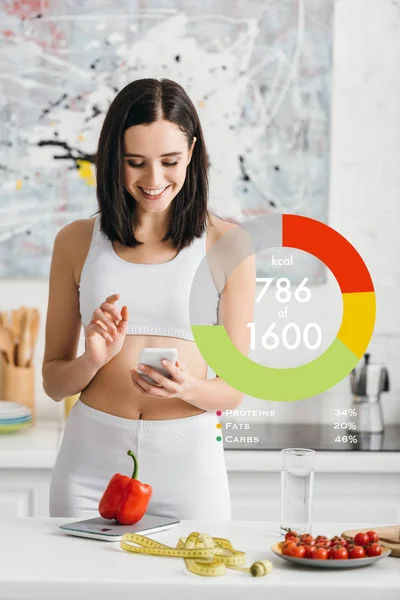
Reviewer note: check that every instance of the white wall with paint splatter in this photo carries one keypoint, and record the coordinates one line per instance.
(258, 73)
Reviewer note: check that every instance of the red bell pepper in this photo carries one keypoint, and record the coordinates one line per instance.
(125, 498)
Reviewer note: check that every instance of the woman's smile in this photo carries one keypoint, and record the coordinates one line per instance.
(153, 194)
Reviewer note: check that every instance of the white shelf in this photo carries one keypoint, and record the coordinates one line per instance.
(32, 448)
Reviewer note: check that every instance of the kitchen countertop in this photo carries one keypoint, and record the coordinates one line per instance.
(37, 447)
(321, 437)
(38, 561)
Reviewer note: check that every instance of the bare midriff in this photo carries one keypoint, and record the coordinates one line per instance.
(111, 390)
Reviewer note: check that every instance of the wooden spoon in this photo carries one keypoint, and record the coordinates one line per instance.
(16, 317)
(34, 332)
(25, 344)
(5, 319)
(7, 343)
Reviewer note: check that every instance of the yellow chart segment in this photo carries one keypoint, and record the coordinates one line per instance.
(359, 311)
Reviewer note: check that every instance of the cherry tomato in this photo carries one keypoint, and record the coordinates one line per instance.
(286, 546)
(321, 554)
(361, 539)
(321, 538)
(338, 539)
(373, 536)
(290, 534)
(307, 539)
(311, 551)
(356, 551)
(295, 539)
(323, 544)
(339, 553)
(298, 551)
(373, 549)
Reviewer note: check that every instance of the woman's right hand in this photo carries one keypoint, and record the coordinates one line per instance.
(105, 334)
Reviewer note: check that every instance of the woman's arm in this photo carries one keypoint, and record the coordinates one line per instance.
(64, 374)
(237, 310)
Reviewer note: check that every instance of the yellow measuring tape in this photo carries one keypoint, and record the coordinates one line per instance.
(203, 554)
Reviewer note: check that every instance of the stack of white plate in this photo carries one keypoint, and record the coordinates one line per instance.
(14, 416)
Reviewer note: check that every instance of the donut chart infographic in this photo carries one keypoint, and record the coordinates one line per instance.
(333, 365)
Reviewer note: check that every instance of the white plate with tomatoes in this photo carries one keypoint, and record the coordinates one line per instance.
(331, 553)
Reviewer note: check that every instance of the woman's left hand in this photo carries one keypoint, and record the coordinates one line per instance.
(177, 387)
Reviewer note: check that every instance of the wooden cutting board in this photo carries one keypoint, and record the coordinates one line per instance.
(388, 536)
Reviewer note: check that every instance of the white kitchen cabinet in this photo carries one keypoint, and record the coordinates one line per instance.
(26, 462)
(17, 501)
(24, 492)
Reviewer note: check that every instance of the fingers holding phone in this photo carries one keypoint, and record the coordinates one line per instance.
(152, 357)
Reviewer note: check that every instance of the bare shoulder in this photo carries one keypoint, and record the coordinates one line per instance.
(218, 228)
(75, 229)
(74, 240)
(237, 248)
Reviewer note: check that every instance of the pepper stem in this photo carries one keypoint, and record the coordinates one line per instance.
(135, 462)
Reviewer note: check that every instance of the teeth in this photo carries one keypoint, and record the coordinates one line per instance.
(154, 192)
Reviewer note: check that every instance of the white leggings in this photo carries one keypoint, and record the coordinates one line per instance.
(180, 458)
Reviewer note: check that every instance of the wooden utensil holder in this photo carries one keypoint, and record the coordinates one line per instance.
(18, 384)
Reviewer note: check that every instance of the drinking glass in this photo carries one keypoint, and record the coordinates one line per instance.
(297, 481)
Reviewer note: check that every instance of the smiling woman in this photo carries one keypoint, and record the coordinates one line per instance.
(161, 177)
(126, 275)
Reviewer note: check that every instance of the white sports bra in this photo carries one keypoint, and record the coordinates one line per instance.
(157, 295)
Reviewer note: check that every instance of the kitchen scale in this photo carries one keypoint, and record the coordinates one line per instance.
(111, 531)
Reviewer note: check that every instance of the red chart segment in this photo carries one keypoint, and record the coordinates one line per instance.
(331, 248)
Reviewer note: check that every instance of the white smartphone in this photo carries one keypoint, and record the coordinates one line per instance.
(152, 357)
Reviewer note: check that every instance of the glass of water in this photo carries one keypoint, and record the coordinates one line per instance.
(297, 481)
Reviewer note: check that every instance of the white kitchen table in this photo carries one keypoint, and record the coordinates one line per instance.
(39, 561)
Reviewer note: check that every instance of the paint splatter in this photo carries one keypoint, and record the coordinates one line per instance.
(260, 82)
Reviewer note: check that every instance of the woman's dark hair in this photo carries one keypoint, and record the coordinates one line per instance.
(142, 102)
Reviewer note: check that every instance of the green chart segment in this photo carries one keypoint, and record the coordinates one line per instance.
(266, 383)
(342, 355)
